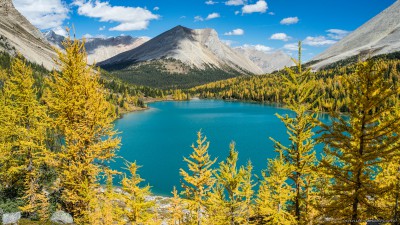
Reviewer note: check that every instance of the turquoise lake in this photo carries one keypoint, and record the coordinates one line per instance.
(159, 138)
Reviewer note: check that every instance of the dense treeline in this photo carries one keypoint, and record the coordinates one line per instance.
(268, 88)
(54, 149)
(158, 74)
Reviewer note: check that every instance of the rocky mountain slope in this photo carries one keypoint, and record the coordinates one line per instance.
(267, 61)
(18, 35)
(100, 49)
(380, 35)
(199, 49)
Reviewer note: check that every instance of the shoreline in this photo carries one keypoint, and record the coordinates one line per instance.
(170, 99)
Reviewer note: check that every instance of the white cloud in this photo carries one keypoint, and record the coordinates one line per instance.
(213, 16)
(129, 18)
(337, 34)
(318, 41)
(237, 12)
(262, 48)
(44, 14)
(182, 17)
(87, 36)
(211, 2)
(271, 13)
(290, 20)
(280, 36)
(235, 2)
(156, 8)
(102, 28)
(261, 7)
(198, 18)
(291, 46)
(60, 31)
(236, 32)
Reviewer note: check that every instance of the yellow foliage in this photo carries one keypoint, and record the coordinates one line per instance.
(136, 206)
(23, 129)
(84, 118)
(360, 146)
(198, 181)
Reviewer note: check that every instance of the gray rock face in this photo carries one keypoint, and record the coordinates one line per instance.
(11, 218)
(380, 35)
(61, 217)
(197, 48)
(100, 49)
(267, 61)
(19, 35)
(54, 39)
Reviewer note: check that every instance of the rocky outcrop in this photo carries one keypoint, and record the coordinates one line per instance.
(11, 218)
(380, 35)
(61, 217)
(19, 35)
(98, 48)
(267, 61)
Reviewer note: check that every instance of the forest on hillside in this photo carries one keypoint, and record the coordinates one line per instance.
(57, 135)
(156, 74)
(269, 88)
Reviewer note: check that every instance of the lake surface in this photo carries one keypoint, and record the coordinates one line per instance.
(160, 137)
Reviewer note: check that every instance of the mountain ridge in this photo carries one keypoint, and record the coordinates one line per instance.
(267, 61)
(18, 35)
(100, 48)
(198, 48)
(380, 35)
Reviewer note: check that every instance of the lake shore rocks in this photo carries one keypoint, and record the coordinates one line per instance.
(61, 217)
(11, 218)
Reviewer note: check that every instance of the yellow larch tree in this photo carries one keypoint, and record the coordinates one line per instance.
(217, 207)
(361, 144)
(176, 209)
(199, 180)
(81, 114)
(137, 208)
(233, 190)
(300, 153)
(275, 194)
(105, 203)
(247, 192)
(24, 126)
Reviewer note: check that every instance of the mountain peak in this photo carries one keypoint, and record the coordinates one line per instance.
(200, 48)
(180, 27)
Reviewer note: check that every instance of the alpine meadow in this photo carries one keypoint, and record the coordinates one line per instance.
(265, 112)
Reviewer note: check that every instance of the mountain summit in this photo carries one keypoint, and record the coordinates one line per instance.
(380, 35)
(17, 34)
(200, 48)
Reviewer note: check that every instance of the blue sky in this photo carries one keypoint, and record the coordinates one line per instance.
(267, 24)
